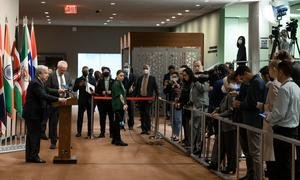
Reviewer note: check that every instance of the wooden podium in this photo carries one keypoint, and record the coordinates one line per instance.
(64, 143)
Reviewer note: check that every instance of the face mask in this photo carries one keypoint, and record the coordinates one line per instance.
(146, 71)
(175, 79)
(126, 70)
(105, 74)
(240, 41)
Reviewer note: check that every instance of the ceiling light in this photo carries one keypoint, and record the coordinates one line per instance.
(167, 20)
(48, 19)
(43, 2)
(197, 5)
(46, 12)
(112, 3)
(105, 23)
(173, 17)
(298, 9)
(157, 24)
(49, 22)
(111, 17)
(163, 22)
(179, 14)
(114, 14)
(108, 20)
(47, 16)
(186, 10)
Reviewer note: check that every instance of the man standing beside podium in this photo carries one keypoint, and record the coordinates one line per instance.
(84, 100)
(33, 111)
(57, 84)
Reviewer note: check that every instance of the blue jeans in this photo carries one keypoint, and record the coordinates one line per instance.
(177, 120)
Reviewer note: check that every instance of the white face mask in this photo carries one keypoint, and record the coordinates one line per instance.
(240, 41)
(146, 71)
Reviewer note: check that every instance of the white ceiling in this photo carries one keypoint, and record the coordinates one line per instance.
(133, 13)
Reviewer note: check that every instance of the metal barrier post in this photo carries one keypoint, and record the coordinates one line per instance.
(191, 125)
(293, 161)
(219, 144)
(203, 148)
(92, 117)
(172, 118)
(165, 122)
(237, 152)
(262, 153)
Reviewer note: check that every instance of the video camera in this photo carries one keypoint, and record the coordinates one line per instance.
(202, 77)
(292, 27)
(280, 11)
(275, 31)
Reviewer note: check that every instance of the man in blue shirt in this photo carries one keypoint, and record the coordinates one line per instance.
(255, 93)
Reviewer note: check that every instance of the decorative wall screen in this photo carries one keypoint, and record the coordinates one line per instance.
(160, 58)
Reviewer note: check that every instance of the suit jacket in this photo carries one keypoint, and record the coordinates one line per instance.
(84, 96)
(52, 85)
(152, 86)
(118, 90)
(128, 82)
(101, 87)
(36, 100)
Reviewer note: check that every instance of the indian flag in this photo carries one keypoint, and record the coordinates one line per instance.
(2, 94)
(8, 80)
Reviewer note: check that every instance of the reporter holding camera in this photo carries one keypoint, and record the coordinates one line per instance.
(57, 85)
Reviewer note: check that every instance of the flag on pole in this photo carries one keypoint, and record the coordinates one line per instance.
(17, 73)
(29, 54)
(2, 94)
(33, 49)
(25, 78)
(8, 79)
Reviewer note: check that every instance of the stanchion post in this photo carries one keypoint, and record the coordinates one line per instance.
(203, 132)
(191, 125)
(293, 161)
(219, 144)
(262, 152)
(92, 117)
(172, 118)
(237, 151)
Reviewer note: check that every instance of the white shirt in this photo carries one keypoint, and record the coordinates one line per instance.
(61, 85)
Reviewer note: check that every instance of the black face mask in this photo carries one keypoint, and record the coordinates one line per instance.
(105, 74)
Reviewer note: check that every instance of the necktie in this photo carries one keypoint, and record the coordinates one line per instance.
(62, 85)
(144, 86)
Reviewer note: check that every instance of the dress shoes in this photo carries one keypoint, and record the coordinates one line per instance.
(78, 135)
(130, 128)
(44, 137)
(113, 141)
(228, 171)
(35, 160)
(53, 146)
(121, 143)
(213, 167)
(101, 135)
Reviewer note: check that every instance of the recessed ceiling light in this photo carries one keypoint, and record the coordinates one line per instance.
(108, 20)
(49, 22)
(105, 23)
(167, 20)
(43, 2)
(112, 3)
(114, 14)
(46, 12)
(163, 22)
(173, 17)
(197, 5)
(186, 10)
(111, 17)
(179, 14)
(157, 24)
(47, 16)
(48, 19)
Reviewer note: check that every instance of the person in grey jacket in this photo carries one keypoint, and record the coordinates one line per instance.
(199, 100)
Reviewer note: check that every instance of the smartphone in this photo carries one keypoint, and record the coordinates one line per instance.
(262, 115)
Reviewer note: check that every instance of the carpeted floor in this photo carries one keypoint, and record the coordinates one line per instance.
(98, 159)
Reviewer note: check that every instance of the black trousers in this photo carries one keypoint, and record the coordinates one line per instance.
(186, 119)
(53, 122)
(82, 107)
(45, 120)
(145, 110)
(33, 135)
(130, 113)
(283, 152)
(116, 125)
(106, 109)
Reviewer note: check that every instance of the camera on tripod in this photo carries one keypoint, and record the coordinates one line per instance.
(275, 31)
(292, 27)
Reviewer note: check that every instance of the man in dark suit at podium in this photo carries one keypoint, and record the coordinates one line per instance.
(57, 85)
(84, 99)
(33, 112)
(145, 87)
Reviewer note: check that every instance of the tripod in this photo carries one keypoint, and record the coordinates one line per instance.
(292, 47)
(276, 44)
